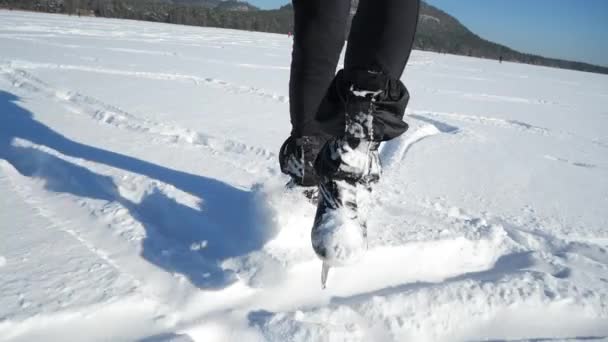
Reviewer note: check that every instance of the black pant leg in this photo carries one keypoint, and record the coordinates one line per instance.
(382, 36)
(381, 39)
(319, 35)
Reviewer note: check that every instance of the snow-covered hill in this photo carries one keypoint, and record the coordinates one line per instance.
(141, 197)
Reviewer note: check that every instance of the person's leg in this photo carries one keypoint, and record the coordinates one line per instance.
(319, 35)
(373, 100)
(381, 39)
(382, 36)
(373, 97)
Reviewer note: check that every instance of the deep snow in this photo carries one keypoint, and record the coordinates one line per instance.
(141, 196)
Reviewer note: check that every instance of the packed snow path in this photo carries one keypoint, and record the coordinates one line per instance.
(141, 197)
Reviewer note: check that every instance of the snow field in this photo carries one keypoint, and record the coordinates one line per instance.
(141, 197)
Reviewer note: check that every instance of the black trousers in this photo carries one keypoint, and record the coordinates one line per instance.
(381, 39)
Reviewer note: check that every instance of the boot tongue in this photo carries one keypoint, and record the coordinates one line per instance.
(365, 93)
(366, 83)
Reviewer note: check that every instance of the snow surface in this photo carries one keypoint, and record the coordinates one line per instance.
(141, 196)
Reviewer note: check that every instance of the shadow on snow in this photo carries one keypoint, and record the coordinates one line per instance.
(228, 221)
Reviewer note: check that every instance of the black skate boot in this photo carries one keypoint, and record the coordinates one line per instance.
(348, 166)
(296, 158)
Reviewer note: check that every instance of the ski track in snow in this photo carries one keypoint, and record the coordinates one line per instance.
(198, 80)
(573, 163)
(181, 256)
(492, 98)
(518, 125)
(112, 115)
(513, 124)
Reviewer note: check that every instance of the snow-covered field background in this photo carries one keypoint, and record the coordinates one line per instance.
(140, 196)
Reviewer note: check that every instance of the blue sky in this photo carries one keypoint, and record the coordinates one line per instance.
(568, 29)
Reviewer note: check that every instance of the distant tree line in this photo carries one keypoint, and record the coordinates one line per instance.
(226, 14)
(437, 31)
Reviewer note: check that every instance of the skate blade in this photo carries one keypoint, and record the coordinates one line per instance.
(324, 274)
